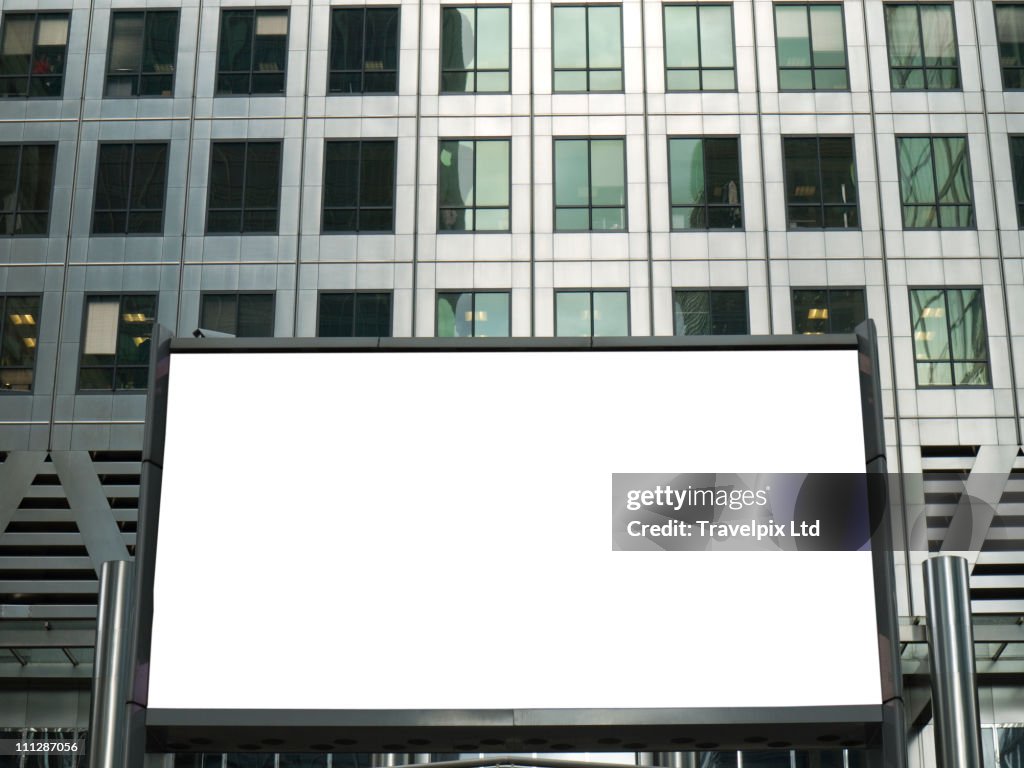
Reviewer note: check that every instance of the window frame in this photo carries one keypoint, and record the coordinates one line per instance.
(114, 367)
(810, 44)
(474, 208)
(822, 205)
(362, 71)
(237, 295)
(36, 14)
(1018, 181)
(359, 185)
(590, 186)
(899, 179)
(245, 175)
(145, 11)
(438, 292)
(442, 71)
(17, 186)
(951, 361)
(920, 39)
(622, 48)
(249, 93)
(700, 67)
(827, 290)
(1002, 68)
(708, 292)
(721, 206)
(4, 319)
(131, 180)
(342, 292)
(591, 291)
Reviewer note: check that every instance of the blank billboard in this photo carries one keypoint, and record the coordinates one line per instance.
(432, 530)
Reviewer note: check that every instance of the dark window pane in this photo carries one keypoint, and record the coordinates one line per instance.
(355, 314)
(336, 312)
(255, 315)
(219, 312)
(341, 185)
(262, 174)
(377, 171)
(364, 50)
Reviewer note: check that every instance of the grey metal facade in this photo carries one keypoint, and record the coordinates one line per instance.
(69, 461)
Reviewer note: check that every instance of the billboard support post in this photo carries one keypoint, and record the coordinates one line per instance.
(951, 656)
(110, 675)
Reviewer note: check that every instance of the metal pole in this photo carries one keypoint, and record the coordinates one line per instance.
(951, 656)
(110, 674)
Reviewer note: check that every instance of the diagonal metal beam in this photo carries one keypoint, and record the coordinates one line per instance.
(92, 512)
(16, 476)
(971, 522)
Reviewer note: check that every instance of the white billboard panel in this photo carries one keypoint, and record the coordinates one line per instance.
(431, 530)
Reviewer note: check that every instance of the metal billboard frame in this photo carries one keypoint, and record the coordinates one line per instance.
(879, 729)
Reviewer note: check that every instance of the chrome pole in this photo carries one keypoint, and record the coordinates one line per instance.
(110, 674)
(951, 657)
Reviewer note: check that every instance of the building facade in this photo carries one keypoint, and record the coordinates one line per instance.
(518, 168)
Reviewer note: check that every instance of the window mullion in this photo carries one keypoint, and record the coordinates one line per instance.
(245, 179)
(700, 59)
(131, 186)
(16, 208)
(924, 66)
(359, 188)
(586, 49)
(935, 202)
(363, 89)
(707, 187)
(252, 55)
(476, 69)
(590, 180)
(476, 178)
(821, 180)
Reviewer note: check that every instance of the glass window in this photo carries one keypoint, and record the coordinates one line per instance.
(810, 42)
(699, 49)
(590, 184)
(704, 183)
(821, 182)
(710, 313)
(473, 185)
(253, 51)
(33, 51)
(116, 336)
(473, 313)
(591, 313)
(922, 47)
(245, 178)
(355, 313)
(587, 47)
(363, 201)
(130, 187)
(475, 49)
(1010, 33)
(1017, 158)
(935, 182)
(950, 340)
(240, 314)
(19, 339)
(140, 60)
(827, 310)
(364, 50)
(26, 184)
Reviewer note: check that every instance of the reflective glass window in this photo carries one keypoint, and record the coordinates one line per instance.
(359, 186)
(354, 314)
(922, 47)
(33, 54)
(364, 50)
(474, 185)
(240, 314)
(473, 313)
(950, 338)
(935, 182)
(705, 184)
(821, 182)
(590, 184)
(19, 339)
(476, 50)
(587, 47)
(713, 312)
(699, 48)
(827, 310)
(26, 188)
(810, 44)
(142, 52)
(245, 180)
(116, 336)
(253, 51)
(591, 313)
(131, 181)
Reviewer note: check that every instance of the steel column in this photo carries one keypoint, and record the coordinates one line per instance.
(951, 656)
(110, 675)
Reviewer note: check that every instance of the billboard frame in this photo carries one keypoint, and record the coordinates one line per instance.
(879, 728)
